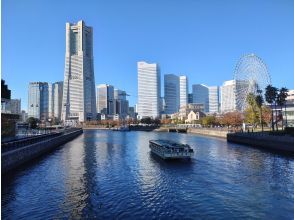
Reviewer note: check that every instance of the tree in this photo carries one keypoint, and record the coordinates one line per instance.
(231, 119)
(270, 96)
(281, 100)
(259, 101)
(146, 120)
(208, 120)
(33, 122)
(251, 112)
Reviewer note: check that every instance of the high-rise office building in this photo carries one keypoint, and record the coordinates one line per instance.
(105, 99)
(190, 98)
(148, 90)
(200, 95)
(184, 90)
(79, 101)
(121, 104)
(171, 93)
(15, 106)
(57, 99)
(228, 96)
(38, 100)
(50, 100)
(213, 94)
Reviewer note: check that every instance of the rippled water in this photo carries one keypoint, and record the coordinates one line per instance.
(104, 174)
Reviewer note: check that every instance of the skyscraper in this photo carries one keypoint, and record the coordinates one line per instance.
(121, 103)
(148, 90)
(213, 99)
(228, 96)
(38, 100)
(79, 101)
(171, 93)
(200, 95)
(190, 98)
(184, 90)
(105, 99)
(57, 99)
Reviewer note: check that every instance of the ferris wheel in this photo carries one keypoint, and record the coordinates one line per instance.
(252, 76)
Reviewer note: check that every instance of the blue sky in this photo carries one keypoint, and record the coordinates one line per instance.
(202, 39)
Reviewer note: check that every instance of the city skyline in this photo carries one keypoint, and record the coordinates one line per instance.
(197, 52)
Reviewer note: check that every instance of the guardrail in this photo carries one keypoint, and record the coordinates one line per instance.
(14, 144)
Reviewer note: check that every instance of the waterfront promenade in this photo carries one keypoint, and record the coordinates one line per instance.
(16, 153)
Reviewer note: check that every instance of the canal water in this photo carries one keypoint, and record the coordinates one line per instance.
(113, 175)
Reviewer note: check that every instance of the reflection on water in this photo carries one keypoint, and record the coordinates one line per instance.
(104, 174)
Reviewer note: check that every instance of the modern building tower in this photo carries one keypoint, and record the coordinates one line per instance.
(228, 96)
(213, 94)
(105, 99)
(200, 95)
(79, 101)
(171, 93)
(38, 100)
(190, 98)
(148, 90)
(121, 104)
(184, 90)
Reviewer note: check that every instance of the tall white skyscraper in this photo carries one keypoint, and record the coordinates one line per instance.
(79, 101)
(200, 95)
(171, 93)
(148, 90)
(184, 90)
(228, 96)
(213, 94)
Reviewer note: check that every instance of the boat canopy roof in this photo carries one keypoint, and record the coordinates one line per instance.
(169, 144)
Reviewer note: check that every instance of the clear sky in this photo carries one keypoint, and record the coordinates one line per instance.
(202, 39)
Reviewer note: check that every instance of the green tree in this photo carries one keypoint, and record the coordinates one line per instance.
(259, 101)
(33, 122)
(251, 113)
(281, 100)
(208, 120)
(271, 93)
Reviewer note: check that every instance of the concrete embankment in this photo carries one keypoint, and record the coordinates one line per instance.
(21, 155)
(266, 141)
(208, 132)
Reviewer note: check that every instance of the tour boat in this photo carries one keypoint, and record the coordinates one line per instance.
(170, 150)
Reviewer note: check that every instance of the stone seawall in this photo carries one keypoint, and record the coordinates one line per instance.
(208, 132)
(281, 143)
(17, 157)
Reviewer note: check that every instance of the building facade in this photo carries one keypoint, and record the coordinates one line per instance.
(190, 98)
(184, 90)
(228, 96)
(121, 104)
(105, 99)
(171, 93)
(213, 95)
(79, 101)
(148, 90)
(201, 95)
(38, 100)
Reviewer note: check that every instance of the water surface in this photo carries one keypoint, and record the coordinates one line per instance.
(105, 174)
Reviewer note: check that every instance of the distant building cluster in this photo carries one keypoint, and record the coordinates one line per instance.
(76, 99)
(45, 100)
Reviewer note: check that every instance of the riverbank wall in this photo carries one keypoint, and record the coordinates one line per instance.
(266, 141)
(14, 158)
(208, 132)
